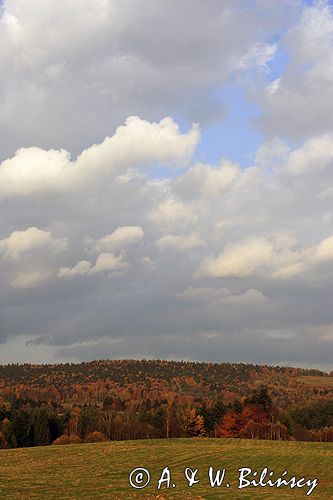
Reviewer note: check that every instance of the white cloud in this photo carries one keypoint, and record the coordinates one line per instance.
(295, 263)
(109, 262)
(258, 56)
(24, 242)
(180, 242)
(172, 214)
(312, 157)
(272, 153)
(82, 268)
(207, 181)
(277, 258)
(34, 170)
(105, 262)
(324, 250)
(238, 259)
(120, 239)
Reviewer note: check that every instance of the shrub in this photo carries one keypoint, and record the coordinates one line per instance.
(66, 439)
(95, 437)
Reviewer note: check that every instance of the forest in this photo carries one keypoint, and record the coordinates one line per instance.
(140, 399)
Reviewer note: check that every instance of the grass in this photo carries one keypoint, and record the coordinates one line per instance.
(101, 470)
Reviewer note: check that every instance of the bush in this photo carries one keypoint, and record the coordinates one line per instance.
(95, 437)
(66, 439)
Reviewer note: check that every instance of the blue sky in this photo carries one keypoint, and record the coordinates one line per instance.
(235, 136)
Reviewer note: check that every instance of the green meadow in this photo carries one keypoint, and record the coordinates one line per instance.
(101, 470)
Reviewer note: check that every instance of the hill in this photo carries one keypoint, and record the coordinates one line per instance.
(133, 399)
(140, 378)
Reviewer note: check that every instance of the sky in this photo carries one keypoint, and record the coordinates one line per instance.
(166, 181)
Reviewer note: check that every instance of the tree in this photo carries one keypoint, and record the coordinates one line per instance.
(261, 398)
(169, 411)
(3, 441)
(8, 436)
(199, 426)
(231, 425)
(41, 428)
(88, 419)
(73, 424)
(186, 419)
(56, 425)
(107, 403)
(23, 429)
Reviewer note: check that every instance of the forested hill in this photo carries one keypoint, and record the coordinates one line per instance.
(130, 399)
(96, 379)
(129, 370)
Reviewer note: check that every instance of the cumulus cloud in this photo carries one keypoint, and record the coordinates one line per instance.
(252, 256)
(121, 238)
(34, 170)
(312, 157)
(172, 214)
(295, 263)
(105, 262)
(207, 181)
(109, 262)
(20, 243)
(239, 259)
(82, 268)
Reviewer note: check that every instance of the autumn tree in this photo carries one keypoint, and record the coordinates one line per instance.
(230, 425)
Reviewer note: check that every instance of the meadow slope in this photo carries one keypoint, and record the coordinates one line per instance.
(101, 470)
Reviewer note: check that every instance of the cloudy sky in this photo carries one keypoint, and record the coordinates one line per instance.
(166, 180)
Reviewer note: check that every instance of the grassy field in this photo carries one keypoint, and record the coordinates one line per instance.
(101, 470)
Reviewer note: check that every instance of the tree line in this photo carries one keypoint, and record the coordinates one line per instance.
(26, 422)
(131, 399)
